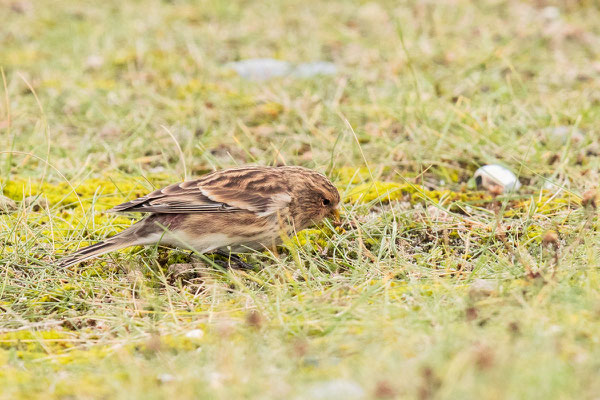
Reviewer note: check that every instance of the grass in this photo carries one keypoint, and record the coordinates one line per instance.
(429, 289)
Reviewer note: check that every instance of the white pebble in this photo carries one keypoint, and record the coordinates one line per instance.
(165, 378)
(195, 334)
(490, 176)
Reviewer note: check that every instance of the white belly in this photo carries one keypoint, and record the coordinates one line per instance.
(208, 242)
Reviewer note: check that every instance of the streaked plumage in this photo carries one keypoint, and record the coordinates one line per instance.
(232, 210)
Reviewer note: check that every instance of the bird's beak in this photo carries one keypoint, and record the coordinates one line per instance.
(335, 215)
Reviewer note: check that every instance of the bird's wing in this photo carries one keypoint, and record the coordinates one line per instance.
(210, 196)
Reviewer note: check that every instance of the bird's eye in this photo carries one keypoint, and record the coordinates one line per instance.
(326, 202)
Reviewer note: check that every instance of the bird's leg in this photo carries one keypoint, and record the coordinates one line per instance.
(236, 259)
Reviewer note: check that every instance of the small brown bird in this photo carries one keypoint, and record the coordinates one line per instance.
(225, 211)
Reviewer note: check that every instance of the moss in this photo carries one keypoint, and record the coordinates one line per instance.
(193, 86)
(102, 84)
(21, 56)
(103, 193)
(86, 384)
(382, 191)
(309, 237)
(31, 345)
(124, 57)
(166, 343)
(13, 375)
(180, 343)
(535, 232)
(386, 192)
(349, 175)
(36, 341)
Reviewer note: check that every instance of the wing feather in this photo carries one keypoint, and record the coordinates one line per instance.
(229, 191)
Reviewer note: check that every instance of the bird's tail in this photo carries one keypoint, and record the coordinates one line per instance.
(92, 251)
(119, 241)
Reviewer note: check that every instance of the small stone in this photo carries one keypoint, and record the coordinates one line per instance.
(551, 186)
(7, 205)
(215, 379)
(438, 214)
(484, 356)
(36, 203)
(165, 378)
(483, 287)
(590, 199)
(195, 334)
(554, 330)
(471, 313)
(154, 344)
(22, 7)
(260, 69)
(109, 130)
(159, 169)
(385, 390)
(550, 239)
(185, 270)
(593, 150)
(550, 12)
(254, 319)
(94, 61)
(307, 70)
(373, 13)
(560, 135)
(335, 389)
(495, 177)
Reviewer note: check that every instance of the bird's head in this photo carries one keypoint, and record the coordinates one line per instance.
(314, 198)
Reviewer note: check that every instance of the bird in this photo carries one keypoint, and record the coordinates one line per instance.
(226, 211)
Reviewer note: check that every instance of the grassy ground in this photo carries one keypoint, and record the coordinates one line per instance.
(429, 289)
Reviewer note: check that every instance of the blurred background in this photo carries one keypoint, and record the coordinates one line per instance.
(438, 85)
